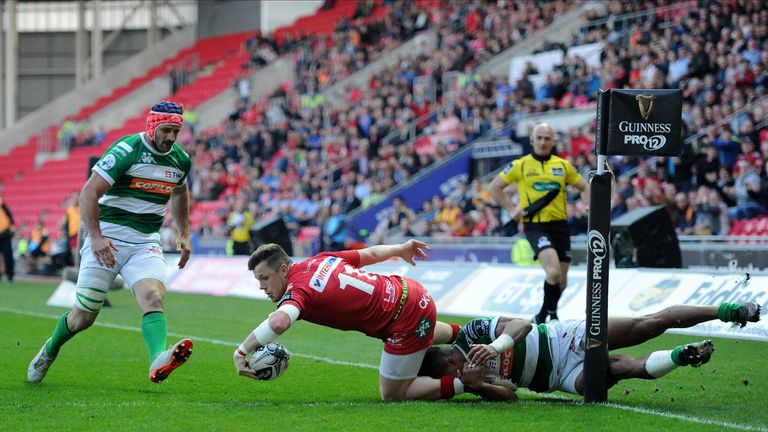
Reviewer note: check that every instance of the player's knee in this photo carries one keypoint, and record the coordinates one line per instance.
(621, 366)
(153, 299)
(554, 276)
(391, 395)
(79, 320)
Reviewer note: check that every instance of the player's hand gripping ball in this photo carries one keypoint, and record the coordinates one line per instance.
(269, 361)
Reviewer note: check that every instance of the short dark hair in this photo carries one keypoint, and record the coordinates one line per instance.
(434, 363)
(271, 253)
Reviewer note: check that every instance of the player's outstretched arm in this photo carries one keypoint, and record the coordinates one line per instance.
(408, 251)
(180, 212)
(278, 323)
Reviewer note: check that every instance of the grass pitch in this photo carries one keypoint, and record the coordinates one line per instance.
(99, 382)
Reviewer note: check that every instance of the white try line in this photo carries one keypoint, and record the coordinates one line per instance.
(685, 418)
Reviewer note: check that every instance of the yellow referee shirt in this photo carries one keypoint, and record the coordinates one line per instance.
(536, 177)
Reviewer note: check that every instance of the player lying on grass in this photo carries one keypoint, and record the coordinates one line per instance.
(549, 357)
(330, 289)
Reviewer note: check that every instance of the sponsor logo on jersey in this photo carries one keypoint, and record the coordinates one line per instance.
(172, 175)
(422, 331)
(532, 173)
(147, 158)
(558, 171)
(108, 162)
(287, 296)
(508, 168)
(478, 328)
(543, 186)
(388, 300)
(506, 361)
(152, 186)
(125, 146)
(424, 301)
(323, 273)
(394, 341)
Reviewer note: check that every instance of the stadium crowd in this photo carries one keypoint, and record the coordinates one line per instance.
(310, 162)
(717, 55)
(297, 157)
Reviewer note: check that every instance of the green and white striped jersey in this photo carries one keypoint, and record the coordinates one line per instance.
(526, 364)
(141, 181)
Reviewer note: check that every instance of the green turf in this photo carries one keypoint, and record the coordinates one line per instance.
(99, 382)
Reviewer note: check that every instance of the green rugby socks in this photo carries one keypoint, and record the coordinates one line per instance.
(154, 328)
(60, 336)
(727, 312)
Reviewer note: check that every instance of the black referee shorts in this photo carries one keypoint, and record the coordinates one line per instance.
(549, 235)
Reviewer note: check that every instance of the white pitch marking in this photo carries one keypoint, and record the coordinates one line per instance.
(194, 338)
(669, 415)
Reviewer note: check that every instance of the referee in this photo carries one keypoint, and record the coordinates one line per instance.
(541, 178)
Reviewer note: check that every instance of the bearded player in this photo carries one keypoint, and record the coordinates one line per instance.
(330, 289)
(549, 357)
(123, 205)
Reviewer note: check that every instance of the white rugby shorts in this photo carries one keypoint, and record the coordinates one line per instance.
(133, 262)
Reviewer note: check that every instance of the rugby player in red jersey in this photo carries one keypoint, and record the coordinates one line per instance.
(330, 289)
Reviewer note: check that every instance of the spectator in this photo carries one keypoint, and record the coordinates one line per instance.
(728, 146)
(746, 189)
(6, 240)
(239, 222)
(39, 247)
(335, 231)
(711, 213)
(684, 215)
(446, 218)
(71, 230)
(428, 211)
(404, 229)
(399, 212)
(578, 218)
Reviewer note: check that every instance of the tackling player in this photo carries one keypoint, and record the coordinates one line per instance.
(549, 357)
(123, 206)
(330, 289)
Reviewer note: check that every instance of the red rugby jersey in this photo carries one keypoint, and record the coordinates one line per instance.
(329, 289)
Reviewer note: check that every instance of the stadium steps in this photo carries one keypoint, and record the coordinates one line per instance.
(21, 160)
(45, 189)
(750, 227)
(558, 31)
(336, 94)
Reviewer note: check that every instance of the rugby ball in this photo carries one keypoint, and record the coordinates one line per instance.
(269, 361)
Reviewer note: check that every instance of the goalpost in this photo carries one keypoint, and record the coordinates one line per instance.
(629, 122)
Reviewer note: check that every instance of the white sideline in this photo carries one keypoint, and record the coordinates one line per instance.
(639, 410)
